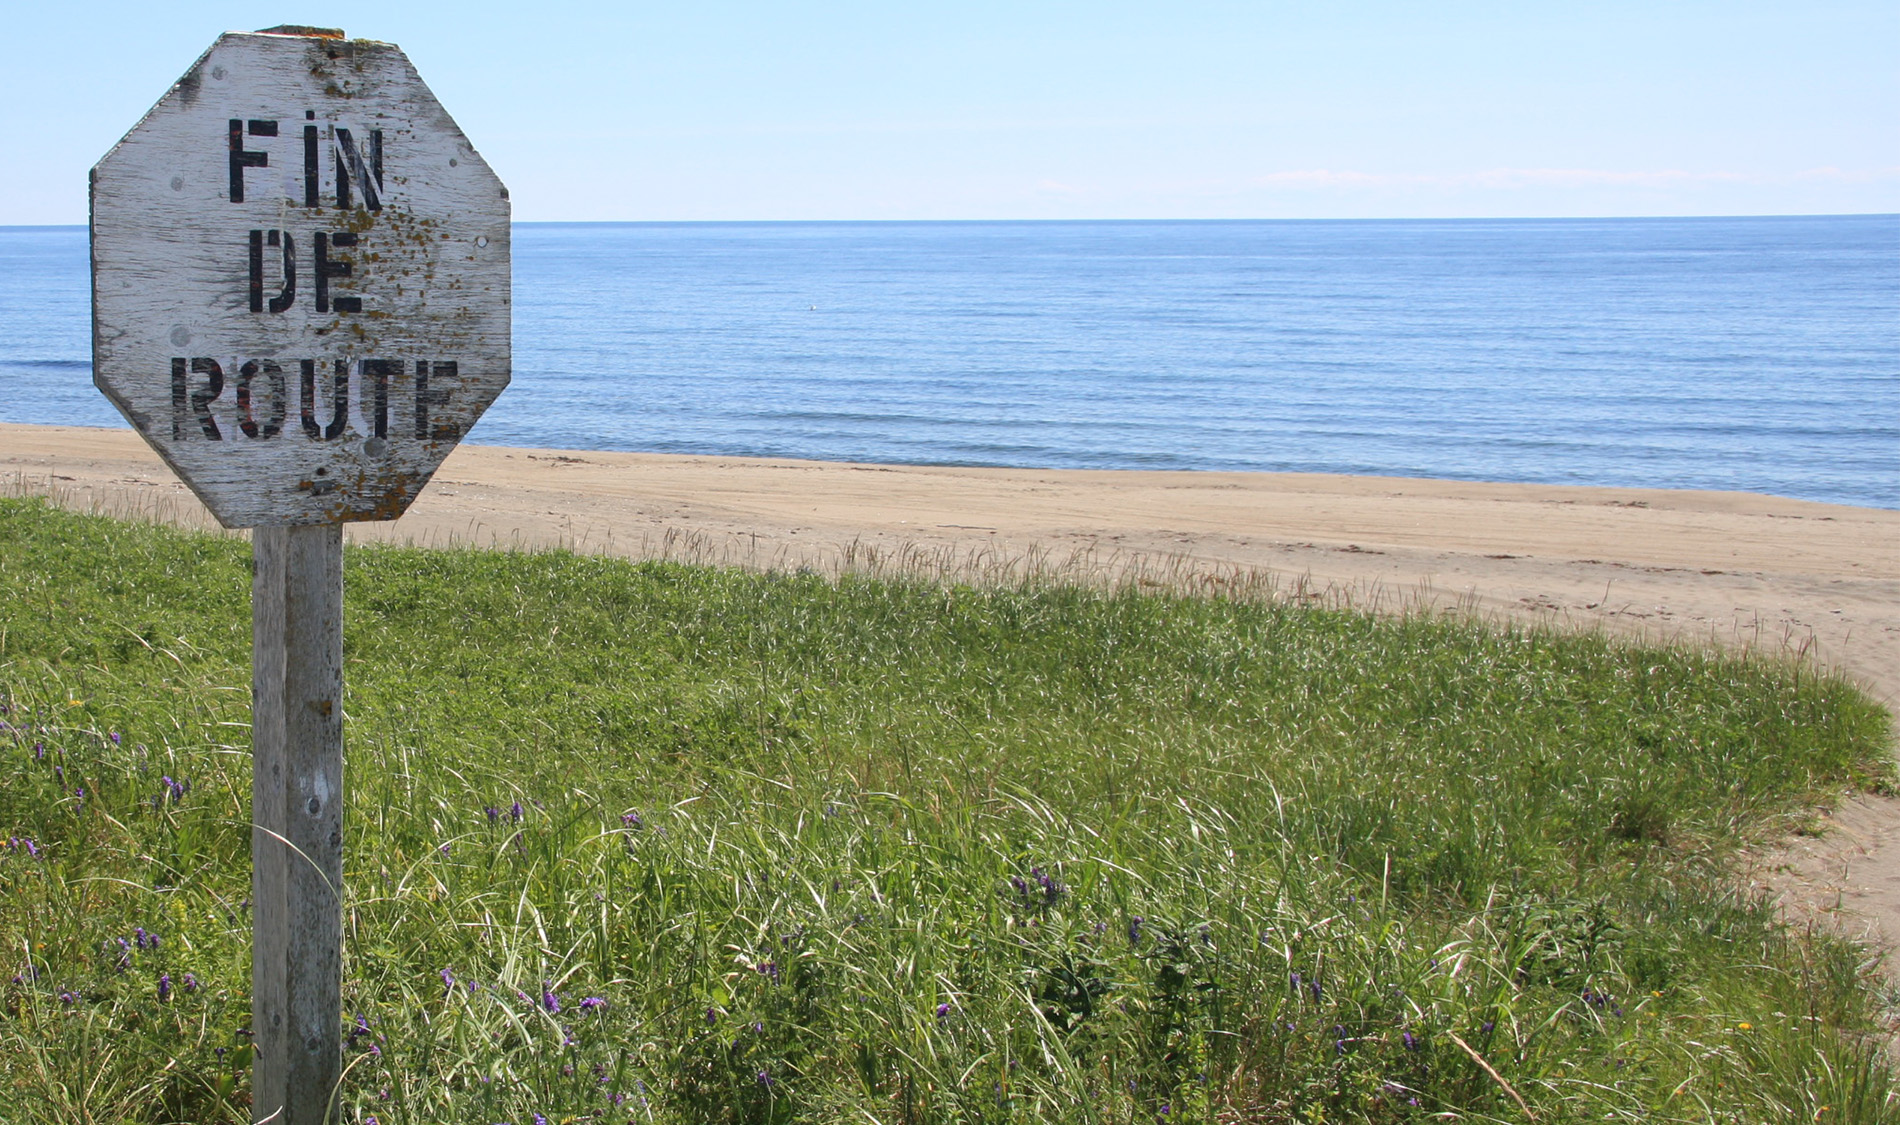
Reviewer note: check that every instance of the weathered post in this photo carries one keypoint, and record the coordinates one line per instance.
(297, 813)
(301, 300)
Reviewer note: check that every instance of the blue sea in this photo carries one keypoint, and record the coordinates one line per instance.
(1760, 354)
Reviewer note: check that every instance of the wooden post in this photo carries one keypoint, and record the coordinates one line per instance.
(297, 814)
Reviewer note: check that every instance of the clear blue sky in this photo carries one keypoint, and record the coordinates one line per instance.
(1028, 109)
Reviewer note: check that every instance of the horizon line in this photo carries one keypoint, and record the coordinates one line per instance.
(1260, 219)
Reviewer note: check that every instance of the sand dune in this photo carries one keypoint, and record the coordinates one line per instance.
(1734, 569)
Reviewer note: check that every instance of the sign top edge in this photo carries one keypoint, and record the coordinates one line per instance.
(302, 31)
(307, 36)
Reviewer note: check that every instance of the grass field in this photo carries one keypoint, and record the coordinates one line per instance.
(632, 842)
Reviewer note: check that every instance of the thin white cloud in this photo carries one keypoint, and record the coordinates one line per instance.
(1507, 179)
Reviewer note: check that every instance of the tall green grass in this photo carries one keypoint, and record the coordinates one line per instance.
(655, 842)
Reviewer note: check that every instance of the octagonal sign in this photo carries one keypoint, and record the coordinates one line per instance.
(300, 279)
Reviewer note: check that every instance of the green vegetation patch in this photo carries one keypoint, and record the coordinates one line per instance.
(633, 842)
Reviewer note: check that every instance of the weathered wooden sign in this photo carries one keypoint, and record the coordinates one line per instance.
(301, 300)
(301, 280)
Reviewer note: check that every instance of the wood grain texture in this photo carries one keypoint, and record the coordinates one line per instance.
(269, 919)
(297, 811)
(301, 290)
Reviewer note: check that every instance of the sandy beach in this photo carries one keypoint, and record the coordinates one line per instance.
(1733, 569)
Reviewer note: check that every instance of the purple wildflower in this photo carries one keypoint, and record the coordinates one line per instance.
(943, 1012)
(1411, 1041)
(494, 813)
(765, 1079)
(30, 849)
(191, 983)
(115, 738)
(549, 1000)
(631, 820)
(69, 998)
(448, 980)
(164, 987)
(590, 1003)
(712, 1016)
(1134, 929)
(515, 812)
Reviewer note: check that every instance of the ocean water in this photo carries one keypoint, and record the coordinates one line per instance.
(1759, 354)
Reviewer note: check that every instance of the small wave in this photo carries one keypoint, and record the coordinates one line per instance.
(49, 364)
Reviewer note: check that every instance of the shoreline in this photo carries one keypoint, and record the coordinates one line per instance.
(1730, 568)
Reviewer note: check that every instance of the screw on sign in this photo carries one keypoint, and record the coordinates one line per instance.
(301, 300)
